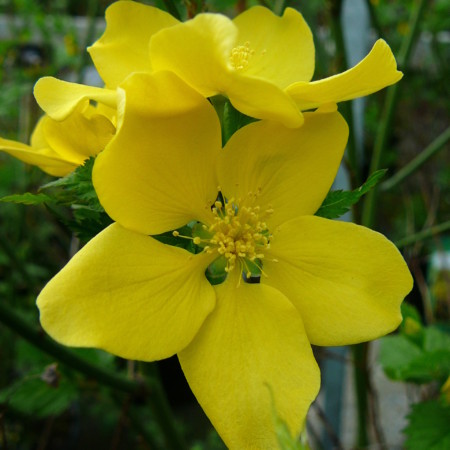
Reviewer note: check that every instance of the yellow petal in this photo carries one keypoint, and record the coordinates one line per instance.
(80, 135)
(60, 98)
(291, 169)
(197, 51)
(158, 173)
(38, 154)
(282, 47)
(128, 294)
(252, 343)
(263, 100)
(346, 281)
(124, 46)
(376, 71)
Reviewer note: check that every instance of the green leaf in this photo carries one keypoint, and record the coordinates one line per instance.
(404, 358)
(27, 199)
(338, 202)
(33, 396)
(233, 120)
(396, 355)
(428, 427)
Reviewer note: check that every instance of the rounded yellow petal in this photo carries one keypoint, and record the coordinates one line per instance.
(124, 46)
(263, 100)
(376, 71)
(252, 344)
(81, 135)
(128, 294)
(60, 98)
(346, 281)
(197, 51)
(282, 48)
(158, 173)
(291, 170)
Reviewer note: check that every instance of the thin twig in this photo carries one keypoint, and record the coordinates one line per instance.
(328, 427)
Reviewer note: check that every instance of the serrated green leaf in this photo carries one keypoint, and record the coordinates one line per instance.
(338, 202)
(27, 199)
(428, 427)
(396, 355)
(35, 397)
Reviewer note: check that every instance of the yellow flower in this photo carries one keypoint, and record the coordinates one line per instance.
(58, 147)
(263, 63)
(323, 282)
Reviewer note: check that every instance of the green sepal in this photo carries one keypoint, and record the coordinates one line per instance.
(338, 202)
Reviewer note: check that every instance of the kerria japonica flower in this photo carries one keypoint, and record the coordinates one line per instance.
(263, 63)
(59, 147)
(251, 207)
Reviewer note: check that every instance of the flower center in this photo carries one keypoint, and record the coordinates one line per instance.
(239, 234)
(240, 56)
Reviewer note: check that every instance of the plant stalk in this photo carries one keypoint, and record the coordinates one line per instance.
(417, 162)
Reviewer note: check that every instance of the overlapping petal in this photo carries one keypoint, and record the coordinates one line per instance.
(124, 46)
(376, 71)
(346, 281)
(291, 169)
(158, 173)
(283, 46)
(197, 51)
(60, 98)
(251, 344)
(128, 294)
(44, 157)
(80, 135)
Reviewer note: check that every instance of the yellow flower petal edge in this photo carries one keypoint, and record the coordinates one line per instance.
(167, 173)
(289, 170)
(251, 344)
(346, 281)
(128, 294)
(125, 42)
(60, 98)
(267, 35)
(376, 71)
(45, 158)
(83, 134)
(201, 51)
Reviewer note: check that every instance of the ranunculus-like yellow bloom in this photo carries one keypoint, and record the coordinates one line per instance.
(323, 282)
(58, 147)
(263, 63)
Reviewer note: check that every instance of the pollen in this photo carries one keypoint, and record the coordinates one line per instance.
(240, 56)
(239, 233)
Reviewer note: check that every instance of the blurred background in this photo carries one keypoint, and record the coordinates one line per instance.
(386, 395)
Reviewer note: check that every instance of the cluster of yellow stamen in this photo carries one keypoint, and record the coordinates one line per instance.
(240, 56)
(239, 233)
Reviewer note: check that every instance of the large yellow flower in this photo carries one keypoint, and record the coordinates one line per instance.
(323, 282)
(263, 63)
(58, 147)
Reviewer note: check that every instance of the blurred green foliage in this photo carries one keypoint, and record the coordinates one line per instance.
(46, 406)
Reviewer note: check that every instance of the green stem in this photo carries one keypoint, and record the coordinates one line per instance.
(345, 107)
(151, 389)
(422, 235)
(385, 127)
(361, 375)
(418, 161)
(279, 6)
